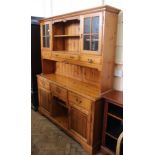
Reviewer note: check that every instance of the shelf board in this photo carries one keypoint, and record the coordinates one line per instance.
(114, 116)
(58, 101)
(115, 132)
(110, 135)
(62, 120)
(66, 35)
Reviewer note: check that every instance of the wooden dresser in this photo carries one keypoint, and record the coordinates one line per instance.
(78, 51)
(112, 122)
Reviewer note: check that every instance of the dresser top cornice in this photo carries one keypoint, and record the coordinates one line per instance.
(86, 11)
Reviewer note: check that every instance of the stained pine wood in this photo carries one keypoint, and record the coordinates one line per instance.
(74, 80)
(108, 50)
(86, 90)
(59, 92)
(79, 102)
(79, 125)
(84, 74)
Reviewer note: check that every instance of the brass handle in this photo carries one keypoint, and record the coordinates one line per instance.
(80, 101)
(90, 60)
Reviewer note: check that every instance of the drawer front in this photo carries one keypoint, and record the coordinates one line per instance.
(59, 92)
(72, 57)
(79, 102)
(91, 59)
(46, 54)
(58, 55)
(43, 83)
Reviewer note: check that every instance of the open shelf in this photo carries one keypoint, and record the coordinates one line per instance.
(114, 116)
(60, 112)
(58, 101)
(111, 143)
(110, 135)
(65, 35)
(115, 111)
(114, 127)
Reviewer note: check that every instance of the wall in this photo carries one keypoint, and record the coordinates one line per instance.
(41, 8)
(66, 6)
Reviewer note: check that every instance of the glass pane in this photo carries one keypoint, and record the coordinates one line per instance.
(86, 42)
(47, 29)
(95, 24)
(43, 30)
(87, 25)
(44, 42)
(47, 41)
(94, 43)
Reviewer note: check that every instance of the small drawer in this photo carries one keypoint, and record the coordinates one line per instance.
(72, 57)
(58, 55)
(79, 101)
(46, 54)
(91, 59)
(43, 83)
(59, 92)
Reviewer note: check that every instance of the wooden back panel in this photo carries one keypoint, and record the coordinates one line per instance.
(84, 74)
(67, 43)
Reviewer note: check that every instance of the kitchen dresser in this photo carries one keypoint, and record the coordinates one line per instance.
(77, 54)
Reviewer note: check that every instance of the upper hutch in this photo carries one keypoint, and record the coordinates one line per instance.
(77, 51)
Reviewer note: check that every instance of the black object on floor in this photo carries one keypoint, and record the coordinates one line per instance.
(35, 59)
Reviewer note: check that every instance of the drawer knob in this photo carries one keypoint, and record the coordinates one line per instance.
(80, 101)
(90, 60)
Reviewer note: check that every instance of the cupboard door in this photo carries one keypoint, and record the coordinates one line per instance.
(46, 35)
(44, 100)
(91, 31)
(78, 123)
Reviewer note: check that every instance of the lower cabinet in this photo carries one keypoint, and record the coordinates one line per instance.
(45, 100)
(78, 122)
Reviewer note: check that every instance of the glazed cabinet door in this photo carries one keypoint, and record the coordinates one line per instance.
(91, 32)
(45, 100)
(79, 123)
(45, 28)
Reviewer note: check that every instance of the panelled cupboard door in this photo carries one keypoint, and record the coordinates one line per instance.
(45, 35)
(45, 99)
(91, 33)
(79, 123)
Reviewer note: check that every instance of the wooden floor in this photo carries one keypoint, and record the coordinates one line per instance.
(48, 139)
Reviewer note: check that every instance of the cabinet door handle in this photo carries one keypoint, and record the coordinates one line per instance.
(71, 57)
(81, 35)
(90, 60)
